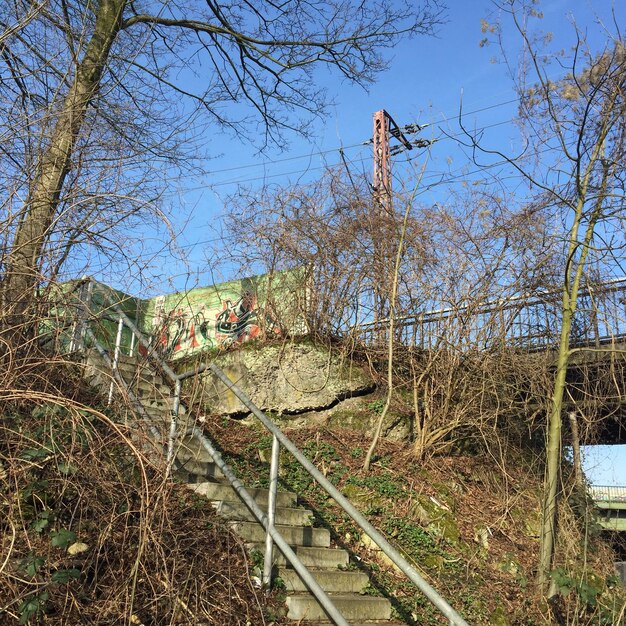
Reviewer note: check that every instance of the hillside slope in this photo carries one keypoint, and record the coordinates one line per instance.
(91, 533)
(469, 523)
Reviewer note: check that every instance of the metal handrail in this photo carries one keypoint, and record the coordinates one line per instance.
(518, 306)
(608, 493)
(526, 300)
(435, 598)
(120, 380)
(267, 521)
(272, 533)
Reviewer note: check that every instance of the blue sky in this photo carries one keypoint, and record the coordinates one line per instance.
(427, 79)
(424, 84)
(605, 465)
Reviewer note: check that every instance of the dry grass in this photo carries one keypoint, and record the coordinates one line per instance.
(90, 533)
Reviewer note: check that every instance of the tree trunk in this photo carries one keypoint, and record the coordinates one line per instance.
(24, 261)
(553, 454)
(569, 303)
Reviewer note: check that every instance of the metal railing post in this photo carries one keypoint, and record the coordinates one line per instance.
(116, 353)
(78, 322)
(133, 398)
(271, 513)
(77, 341)
(173, 424)
(83, 327)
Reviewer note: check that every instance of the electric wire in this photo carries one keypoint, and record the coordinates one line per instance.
(438, 178)
(269, 162)
(449, 178)
(265, 177)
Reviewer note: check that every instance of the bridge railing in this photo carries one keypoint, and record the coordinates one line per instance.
(530, 321)
(608, 493)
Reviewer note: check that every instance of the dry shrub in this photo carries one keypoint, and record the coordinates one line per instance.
(92, 533)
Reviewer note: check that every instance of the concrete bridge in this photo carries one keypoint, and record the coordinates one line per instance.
(611, 505)
(531, 324)
(611, 508)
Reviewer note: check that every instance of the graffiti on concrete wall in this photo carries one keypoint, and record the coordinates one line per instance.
(216, 317)
(239, 321)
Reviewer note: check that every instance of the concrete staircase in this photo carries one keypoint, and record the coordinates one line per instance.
(329, 565)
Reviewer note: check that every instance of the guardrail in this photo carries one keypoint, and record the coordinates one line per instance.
(81, 331)
(608, 493)
(529, 321)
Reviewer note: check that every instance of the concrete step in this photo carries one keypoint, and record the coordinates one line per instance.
(222, 491)
(319, 558)
(159, 414)
(331, 581)
(102, 381)
(131, 370)
(162, 414)
(204, 469)
(129, 360)
(238, 511)
(138, 362)
(284, 515)
(147, 388)
(293, 535)
(99, 381)
(190, 449)
(148, 392)
(352, 606)
(161, 405)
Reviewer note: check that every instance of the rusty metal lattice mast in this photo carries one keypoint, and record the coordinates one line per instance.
(381, 182)
(385, 128)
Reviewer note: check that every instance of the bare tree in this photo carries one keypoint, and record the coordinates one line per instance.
(576, 147)
(86, 82)
(463, 258)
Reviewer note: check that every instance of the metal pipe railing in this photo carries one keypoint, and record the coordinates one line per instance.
(305, 575)
(118, 377)
(173, 423)
(116, 353)
(271, 512)
(540, 309)
(412, 574)
(268, 521)
(607, 493)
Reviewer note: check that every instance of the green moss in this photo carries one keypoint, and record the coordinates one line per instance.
(447, 492)
(432, 562)
(438, 519)
(509, 565)
(532, 524)
(498, 617)
(364, 499)
(356, 420)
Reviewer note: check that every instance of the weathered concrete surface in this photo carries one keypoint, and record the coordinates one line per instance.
(286, 379)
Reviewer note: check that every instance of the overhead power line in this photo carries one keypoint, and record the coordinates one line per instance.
(239, 181)
(269, 162)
